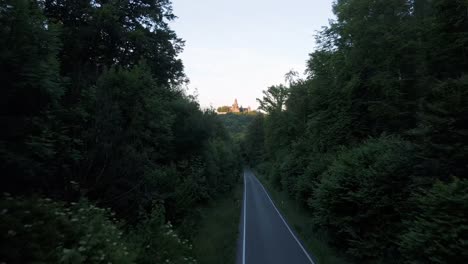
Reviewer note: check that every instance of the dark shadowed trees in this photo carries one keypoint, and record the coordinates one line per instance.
(376, 133)
(94, 114)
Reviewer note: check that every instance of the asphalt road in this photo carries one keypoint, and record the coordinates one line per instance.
(265, 237)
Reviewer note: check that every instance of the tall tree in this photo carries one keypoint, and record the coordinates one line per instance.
(31, 93)
(273, 99)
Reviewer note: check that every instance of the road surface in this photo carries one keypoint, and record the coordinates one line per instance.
(265, 237)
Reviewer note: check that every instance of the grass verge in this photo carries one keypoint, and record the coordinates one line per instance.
(300, 221)
(216, 239)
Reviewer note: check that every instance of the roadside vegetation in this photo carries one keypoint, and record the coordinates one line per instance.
(104, 157)
(216, 239)
(373, 143)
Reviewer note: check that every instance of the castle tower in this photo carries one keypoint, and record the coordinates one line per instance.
(235, 107)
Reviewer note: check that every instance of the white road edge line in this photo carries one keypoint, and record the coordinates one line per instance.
(245, 211)
(284, 221)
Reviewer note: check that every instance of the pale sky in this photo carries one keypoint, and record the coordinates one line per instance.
(237, 48)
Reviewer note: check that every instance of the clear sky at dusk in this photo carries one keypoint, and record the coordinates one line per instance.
(236, 49)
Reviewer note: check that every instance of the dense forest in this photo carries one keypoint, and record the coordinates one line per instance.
(237, 124)
(373, 142)
(105, 158)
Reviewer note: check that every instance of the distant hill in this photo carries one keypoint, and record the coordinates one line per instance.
(237, 123)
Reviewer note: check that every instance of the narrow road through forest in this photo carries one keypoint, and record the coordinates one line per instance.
(265, 237)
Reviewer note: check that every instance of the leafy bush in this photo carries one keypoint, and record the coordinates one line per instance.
(438, 231)
(42, 230)
(223, 165)
(443, 129)
(363, 195)
(313, 168)
(264, 169)
(157, 242)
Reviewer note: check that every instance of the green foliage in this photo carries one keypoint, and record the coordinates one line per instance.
(214, 241)
(448, 35)
(274, 99)
(443, 129)
(116, 33)
(223, 109)
(41, 230)
(93, 108)
(381, 115)
(236, 123)
(157, 242)
(132, 132)
(363, 195)
(31, 90)
(437, 231)
(223, 165)
(253, 143)
(83, 233)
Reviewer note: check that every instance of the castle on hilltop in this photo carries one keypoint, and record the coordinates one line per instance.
(233, 109)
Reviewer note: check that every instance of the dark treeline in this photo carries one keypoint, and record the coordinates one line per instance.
(374, 142)
(94, 116)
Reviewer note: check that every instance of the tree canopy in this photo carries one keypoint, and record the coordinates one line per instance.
(94, 116)
(375, 137)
